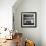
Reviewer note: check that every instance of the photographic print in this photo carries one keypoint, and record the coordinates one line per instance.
(28, 19)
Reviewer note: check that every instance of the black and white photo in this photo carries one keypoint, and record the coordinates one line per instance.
(28, 19)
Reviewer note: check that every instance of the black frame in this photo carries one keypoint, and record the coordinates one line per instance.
(29, 14)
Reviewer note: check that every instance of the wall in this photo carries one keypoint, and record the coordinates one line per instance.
(43, 22)
(35, 34)
(6, 13)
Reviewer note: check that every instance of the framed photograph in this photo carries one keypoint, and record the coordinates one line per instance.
(29, 19)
